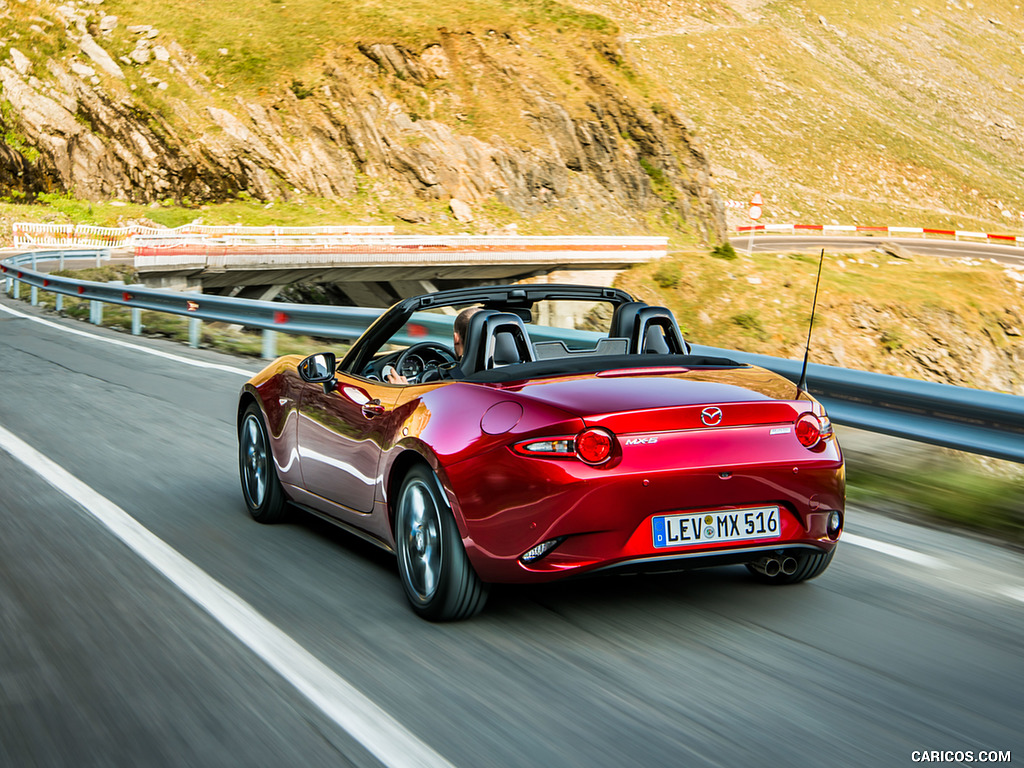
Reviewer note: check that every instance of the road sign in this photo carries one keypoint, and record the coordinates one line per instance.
(754, 212)
(756, 200)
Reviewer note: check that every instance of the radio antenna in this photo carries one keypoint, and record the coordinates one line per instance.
(802, 384)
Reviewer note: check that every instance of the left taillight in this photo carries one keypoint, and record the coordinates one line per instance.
(812, 429)
(552, 447)
(592, 446)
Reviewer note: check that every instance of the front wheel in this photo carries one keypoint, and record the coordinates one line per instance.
(808, 566)
(260, 487)
(435, 571)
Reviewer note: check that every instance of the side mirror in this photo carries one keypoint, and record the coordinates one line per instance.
(319, 369)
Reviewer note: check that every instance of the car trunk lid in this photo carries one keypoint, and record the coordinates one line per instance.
(668, 399)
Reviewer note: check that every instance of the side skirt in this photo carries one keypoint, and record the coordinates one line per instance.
(376, 541)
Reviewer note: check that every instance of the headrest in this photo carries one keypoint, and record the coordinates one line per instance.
(494, 339)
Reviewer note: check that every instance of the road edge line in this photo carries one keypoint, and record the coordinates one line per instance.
(127, 344)
(902, 553)
(383, 736)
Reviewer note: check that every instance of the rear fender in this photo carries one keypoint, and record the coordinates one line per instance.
(406, 455)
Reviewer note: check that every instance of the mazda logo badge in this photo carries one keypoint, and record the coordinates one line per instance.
(711, 417)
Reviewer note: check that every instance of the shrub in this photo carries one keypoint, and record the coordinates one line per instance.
(750, 322)
(724, 251)
(892, 339)
(668, 275)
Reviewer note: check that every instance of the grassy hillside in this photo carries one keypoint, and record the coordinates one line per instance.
(865, 111)
(384, 107)
(862, 112)
(953, 321)
(268, 41)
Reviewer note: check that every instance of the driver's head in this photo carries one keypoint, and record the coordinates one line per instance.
(460, 328)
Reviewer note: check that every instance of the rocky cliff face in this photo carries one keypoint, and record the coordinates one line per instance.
(469, 117)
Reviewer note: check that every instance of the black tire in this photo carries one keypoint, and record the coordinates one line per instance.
(432, 563)
(809, 566)
(261, 488)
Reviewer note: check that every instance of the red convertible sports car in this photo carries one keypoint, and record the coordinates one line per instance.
(526, 451)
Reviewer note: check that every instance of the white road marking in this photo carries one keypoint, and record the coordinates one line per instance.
(1014, 593)
(387, 739)
(910, 555)
(128, 344)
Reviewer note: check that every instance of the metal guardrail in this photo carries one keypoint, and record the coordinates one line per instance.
(978, 421)
(973, 420)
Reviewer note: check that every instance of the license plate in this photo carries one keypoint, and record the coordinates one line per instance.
(716, 527)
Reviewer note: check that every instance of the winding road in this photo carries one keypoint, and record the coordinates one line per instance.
(147, 621)
(1006, 254)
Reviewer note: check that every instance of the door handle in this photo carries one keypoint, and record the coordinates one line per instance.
(373, 408)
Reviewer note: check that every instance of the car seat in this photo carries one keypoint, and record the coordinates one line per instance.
(495, 339)
(650, 330)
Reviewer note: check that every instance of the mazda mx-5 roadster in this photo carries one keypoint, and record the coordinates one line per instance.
(526, 433)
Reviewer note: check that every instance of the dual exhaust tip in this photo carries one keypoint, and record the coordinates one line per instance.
(773, 566)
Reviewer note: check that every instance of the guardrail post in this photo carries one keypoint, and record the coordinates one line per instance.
(136, 321)
(194, 324)
(59, 305)
(269, 344)
(17, 289)
(96, 312)
(61, 260)
(97, 258)
(35, 296)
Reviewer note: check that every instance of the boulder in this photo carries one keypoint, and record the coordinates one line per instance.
(461, 210)
(20, 61)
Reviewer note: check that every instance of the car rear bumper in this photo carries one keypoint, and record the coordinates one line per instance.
(603, 520)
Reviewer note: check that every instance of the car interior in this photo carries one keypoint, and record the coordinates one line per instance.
(498, 338)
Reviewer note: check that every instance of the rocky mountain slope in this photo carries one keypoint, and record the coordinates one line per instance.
(102, 105)
(866, 111)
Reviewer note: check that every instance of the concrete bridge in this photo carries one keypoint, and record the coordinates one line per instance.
(376, 270)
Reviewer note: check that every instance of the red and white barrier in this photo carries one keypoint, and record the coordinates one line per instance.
(34, 235)
(839, 229)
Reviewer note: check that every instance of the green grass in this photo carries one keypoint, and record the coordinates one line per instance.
(881, 311)
(874, 123)
(271, 42)
(363, 209)
(952, 488)
(12, 137)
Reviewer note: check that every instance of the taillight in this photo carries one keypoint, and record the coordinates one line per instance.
(594, 445)
(811, 430)
(550, 447)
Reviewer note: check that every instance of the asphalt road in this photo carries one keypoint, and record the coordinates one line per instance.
(105, 661)
(1006, 254)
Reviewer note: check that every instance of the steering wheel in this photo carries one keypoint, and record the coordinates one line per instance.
(440, 349)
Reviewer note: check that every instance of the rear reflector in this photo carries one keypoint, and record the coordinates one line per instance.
(536, 553)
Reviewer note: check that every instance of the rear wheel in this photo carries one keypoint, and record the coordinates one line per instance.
(260, 487)
(435, 571)
(808, 566)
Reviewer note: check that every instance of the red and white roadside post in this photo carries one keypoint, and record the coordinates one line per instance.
(754, 212)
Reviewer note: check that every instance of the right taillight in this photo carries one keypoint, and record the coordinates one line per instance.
(811, 430)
